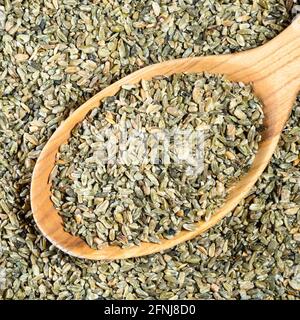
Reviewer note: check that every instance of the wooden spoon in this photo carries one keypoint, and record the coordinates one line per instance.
(274, 70)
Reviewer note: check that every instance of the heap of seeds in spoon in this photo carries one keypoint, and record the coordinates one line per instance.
(155, 158)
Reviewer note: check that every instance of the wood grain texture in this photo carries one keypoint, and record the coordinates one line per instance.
(274, 70)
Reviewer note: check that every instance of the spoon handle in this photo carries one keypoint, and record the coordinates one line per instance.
(281, 58)
(276, 75)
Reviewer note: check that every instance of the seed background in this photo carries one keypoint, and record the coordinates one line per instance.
(54, 55)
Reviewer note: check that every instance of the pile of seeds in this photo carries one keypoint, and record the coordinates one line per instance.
(53, 59)
(128, 173)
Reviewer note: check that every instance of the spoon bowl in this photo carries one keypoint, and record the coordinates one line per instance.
(274, 70)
